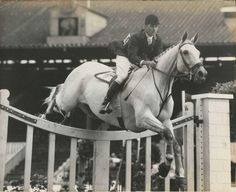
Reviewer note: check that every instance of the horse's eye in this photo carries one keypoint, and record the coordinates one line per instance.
(185, 52)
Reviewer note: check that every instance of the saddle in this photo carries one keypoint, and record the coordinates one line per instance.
(109, 76)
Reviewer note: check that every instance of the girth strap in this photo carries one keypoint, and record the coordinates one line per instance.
(121, 122)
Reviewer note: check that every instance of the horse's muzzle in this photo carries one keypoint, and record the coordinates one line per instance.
(199, 75)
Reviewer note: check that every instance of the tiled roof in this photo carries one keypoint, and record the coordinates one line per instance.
(25, 23)
(176, 17)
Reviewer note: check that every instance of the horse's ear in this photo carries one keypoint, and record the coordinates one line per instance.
(184, 37)
(195, 38)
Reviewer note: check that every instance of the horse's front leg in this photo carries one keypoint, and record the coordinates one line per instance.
(148, 121)
(173, 144)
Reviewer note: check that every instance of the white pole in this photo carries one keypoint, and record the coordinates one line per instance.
(88, 3)
(183, 101)
(138, 149)
(4, 94)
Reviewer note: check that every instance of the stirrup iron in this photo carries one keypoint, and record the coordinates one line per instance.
(106, 108)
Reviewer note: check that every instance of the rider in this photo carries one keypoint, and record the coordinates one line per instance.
(139, 49)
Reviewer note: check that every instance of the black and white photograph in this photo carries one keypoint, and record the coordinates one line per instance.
(117, 95)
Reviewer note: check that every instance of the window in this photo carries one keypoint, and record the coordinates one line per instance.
(68, 26)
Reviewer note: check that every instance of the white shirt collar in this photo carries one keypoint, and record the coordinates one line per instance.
(149, 39)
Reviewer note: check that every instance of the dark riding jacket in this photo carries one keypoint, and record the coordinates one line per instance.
(135, 47)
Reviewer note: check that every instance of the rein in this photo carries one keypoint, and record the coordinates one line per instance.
(172, 76)
(191, 70)
(126, 98)
(164, 99)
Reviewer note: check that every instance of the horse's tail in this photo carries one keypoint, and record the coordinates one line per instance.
(50, 101)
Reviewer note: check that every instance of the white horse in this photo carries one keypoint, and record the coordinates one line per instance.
(146, 101)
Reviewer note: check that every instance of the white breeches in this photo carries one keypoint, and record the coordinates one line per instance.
(122, 68)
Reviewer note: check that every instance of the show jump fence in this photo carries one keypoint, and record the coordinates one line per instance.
(210, 112)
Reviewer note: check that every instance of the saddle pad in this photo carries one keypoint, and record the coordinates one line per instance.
(105, 76)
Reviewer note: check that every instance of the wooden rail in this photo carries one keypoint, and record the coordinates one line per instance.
(101, 140)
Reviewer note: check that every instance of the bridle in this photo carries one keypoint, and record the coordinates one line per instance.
(191, 70)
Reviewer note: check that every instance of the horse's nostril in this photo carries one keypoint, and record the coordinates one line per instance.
(200, 74)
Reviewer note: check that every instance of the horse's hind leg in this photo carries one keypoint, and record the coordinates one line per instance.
(48, 110)
(50, 101)
(145, 119)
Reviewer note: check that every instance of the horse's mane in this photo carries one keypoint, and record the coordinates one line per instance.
(163, 52)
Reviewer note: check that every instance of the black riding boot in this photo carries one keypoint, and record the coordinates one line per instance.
(113, 89)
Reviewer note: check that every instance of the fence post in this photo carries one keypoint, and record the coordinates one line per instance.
(148, 166)
(188, 143)
(4, 94)
(73, 157)
(51, 160)
(101, 161)
(128, 165)
(28, 157)
(214, 139)
(189, 147)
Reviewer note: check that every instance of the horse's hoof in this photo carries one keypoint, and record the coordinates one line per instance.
(181, 183)
(163, 169)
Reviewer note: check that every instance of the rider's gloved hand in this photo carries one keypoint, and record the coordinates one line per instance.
(149, 64)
